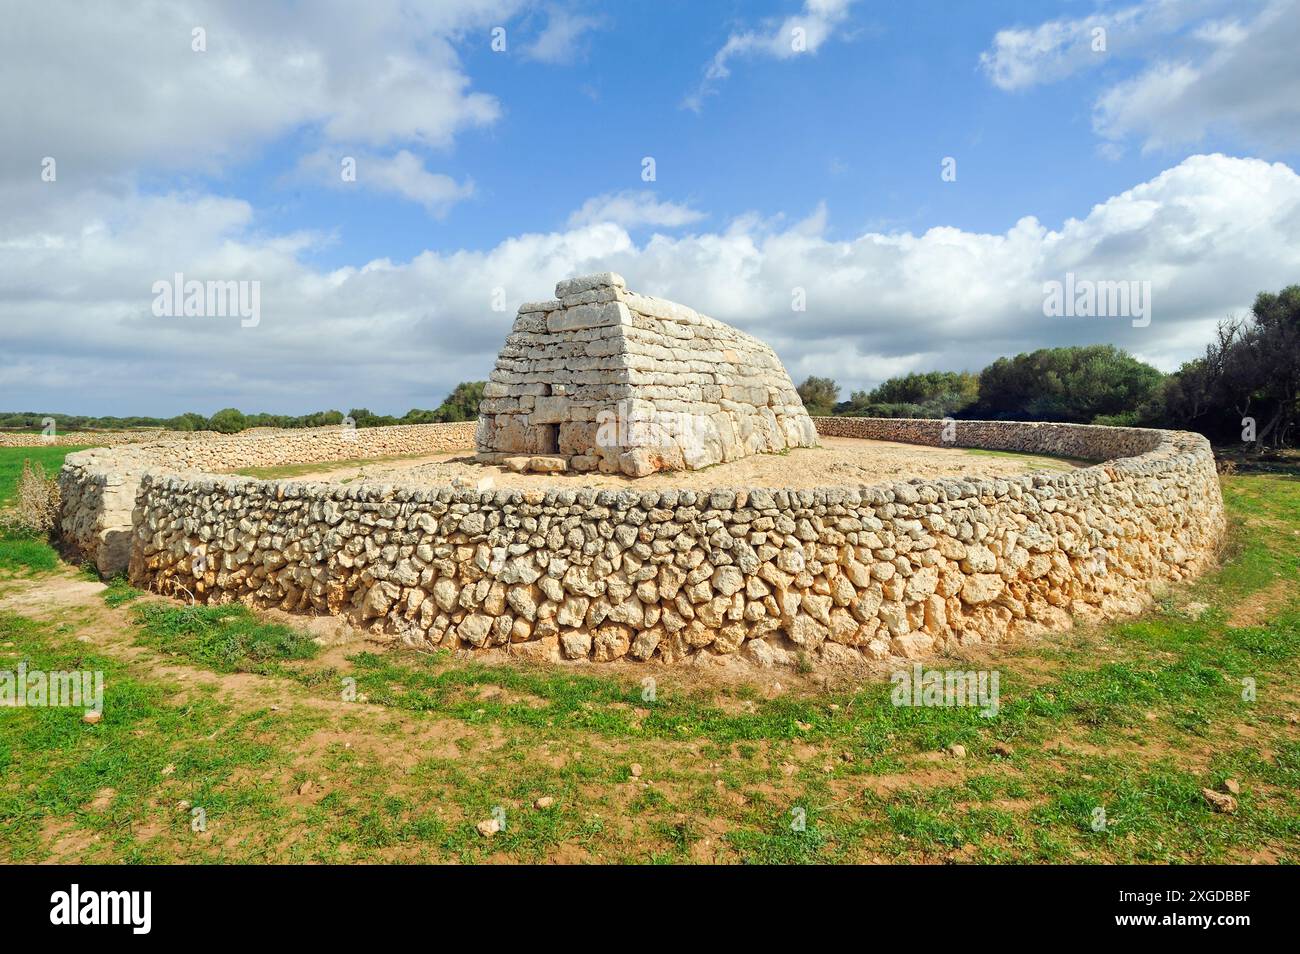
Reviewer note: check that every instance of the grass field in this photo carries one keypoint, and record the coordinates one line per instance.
(11, 464)
(230, 736)
(18, 554)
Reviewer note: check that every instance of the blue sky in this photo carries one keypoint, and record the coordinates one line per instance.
(1168, 156)
(861, 125)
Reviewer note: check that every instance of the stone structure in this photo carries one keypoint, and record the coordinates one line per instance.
(99, 486)
(604, 378)
(897, 569)
(90, 438)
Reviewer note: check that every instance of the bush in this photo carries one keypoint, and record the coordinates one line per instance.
(818, 395)
(36, 504)
(228, 420)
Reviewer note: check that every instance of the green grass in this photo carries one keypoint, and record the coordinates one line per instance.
(119, 591)
(1132, 719)
(103, 787)
(24, 555)
(11, 465)
(226, 638)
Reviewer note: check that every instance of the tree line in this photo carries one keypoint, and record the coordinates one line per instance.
(1245, 388)
(460, 405)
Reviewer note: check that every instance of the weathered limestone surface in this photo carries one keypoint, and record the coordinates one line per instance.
(603, 378)
(902, 569)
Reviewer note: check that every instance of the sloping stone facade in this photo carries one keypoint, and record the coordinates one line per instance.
(602, 378)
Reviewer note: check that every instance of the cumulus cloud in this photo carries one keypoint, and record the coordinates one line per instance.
(77, 332)
(803, 32)
(560, 41)
(378, 74)
(632, 209)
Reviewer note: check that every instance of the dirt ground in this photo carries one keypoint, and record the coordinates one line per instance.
(839, 461)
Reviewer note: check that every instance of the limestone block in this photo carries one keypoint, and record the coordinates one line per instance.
(603, 315)
(575, 286)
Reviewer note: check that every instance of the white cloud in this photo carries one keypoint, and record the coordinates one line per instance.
(117, 89)
(402, 174)
(794, 35)
(560, 40)
(631, 209)
(1204, 66)
(1244, 79)
(76, 332)
(1027, 56)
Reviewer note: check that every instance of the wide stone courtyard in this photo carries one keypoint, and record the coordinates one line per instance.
(838, 460)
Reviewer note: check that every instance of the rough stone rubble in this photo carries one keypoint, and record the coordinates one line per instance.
(604, 378)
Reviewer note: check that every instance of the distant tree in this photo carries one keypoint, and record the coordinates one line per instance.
(189, 421)
(364, 417)
(462, 403)
(1077, 384)
(818, 395)
(227, 421)
(1247, 382)
(927, 394)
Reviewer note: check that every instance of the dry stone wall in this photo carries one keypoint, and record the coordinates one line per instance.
(843, 573)
(99, 486)
(604, 378)
(81, 438)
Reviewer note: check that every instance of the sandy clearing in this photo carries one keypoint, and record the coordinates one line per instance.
(839, 461)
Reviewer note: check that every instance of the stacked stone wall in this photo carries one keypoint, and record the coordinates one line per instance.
(82, 438)
(99, 485)
(894, 569)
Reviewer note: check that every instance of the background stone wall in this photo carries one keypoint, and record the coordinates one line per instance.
(897, 569)
(82, 438)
